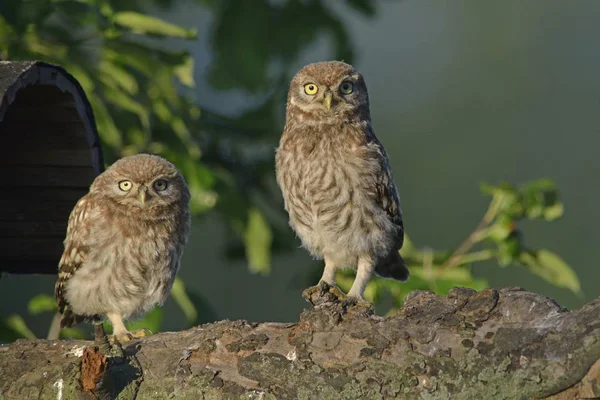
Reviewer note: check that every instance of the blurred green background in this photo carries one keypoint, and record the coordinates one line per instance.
(461, 93)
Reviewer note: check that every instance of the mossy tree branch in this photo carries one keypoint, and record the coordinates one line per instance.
(505, 344)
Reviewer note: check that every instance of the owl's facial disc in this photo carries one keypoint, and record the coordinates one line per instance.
(331, 97)
(159, 192)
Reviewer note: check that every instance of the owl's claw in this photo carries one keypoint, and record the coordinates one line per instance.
(129, 336)
(336, 291)
(322, 289)
(308, 293)
(140, 334)
(350, 301)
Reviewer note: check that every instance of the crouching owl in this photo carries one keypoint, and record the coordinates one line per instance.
(336, 179)
(124, 242)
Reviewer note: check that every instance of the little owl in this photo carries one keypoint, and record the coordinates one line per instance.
(124, 242)
(336, 179)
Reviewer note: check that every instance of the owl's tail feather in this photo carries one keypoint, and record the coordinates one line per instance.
(69, 318)
(393, 266)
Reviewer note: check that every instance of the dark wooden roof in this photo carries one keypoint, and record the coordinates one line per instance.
(16, 75)
(49, 156)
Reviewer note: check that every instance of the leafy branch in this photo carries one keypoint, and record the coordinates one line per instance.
(496, 237)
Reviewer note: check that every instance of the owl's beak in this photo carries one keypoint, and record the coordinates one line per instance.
(327, 100)
(143, 194)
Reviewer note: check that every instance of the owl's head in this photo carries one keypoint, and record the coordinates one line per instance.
(142, 181)
(329, 91)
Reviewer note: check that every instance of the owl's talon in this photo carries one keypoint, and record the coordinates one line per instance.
(337, 292)
(350, 301)
(140, 333)
(323, 286)
(113, 339)
(308, 293)
(129, 336)
(320, 290)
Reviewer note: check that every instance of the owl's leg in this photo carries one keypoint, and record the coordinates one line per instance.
(121, 333)
(328, 276)
(364, 272)
(326, 283)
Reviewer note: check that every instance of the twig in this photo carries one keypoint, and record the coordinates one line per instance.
(477, 235)
(476, 256)
(54, 330)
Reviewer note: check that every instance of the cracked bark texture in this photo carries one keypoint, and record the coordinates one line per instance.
(505, 344)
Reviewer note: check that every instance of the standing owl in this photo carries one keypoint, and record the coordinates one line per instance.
(336, 179)
(124, 242)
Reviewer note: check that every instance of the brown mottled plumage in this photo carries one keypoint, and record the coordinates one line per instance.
(124, 242)
(336, 179)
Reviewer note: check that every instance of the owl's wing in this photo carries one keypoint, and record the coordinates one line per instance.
(387, 194)
(72, 259)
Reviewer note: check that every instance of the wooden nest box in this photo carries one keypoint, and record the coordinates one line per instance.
(50, 155)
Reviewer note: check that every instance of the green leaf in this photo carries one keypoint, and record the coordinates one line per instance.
(257, 240)
(408, 249)
(120, 76)
(540, 185)
(457, 274)
(501, 229)
(441, 281)
(540, 199)
(200, 180)
(414, 256)
(552, 268)
(183, 300)
(185, 72)
(162, 111)
(17, 324)
(72, 333)
(42, 303)
(6, 30)
(104, 7)
(132, 55)
(344, 280)
(126, 102)
(77, 12)
(373, 291)
(510, 249)
(106, 125)
(553, 212)
(145, 24)
(151, 320)
(503, 188)
(532, 200)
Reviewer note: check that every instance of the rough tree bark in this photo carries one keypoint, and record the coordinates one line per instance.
(506, 344)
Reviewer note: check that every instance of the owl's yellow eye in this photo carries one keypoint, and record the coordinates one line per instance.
(125, 186)
(346, 88)
(160, 185)
(311, 89)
